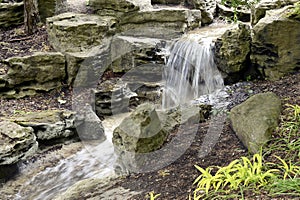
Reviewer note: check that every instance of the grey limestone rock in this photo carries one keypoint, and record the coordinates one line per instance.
(255, 119)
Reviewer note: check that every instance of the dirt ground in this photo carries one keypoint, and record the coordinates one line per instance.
(173, 181)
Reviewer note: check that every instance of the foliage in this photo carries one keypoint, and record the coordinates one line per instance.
(240, 172)
(235, 4)
(286, 186)
(278, 177)
(152, 195)
(295, 13)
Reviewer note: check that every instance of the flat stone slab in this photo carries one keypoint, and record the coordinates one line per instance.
(72, 32)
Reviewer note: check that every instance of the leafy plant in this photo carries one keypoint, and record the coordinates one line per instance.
(279, 176)
(152, 195)
(240, 172)
(287, 186)
(290, 170)
(235, 4)
(295, 13)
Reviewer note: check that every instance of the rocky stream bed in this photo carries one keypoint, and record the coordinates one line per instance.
(65, 90)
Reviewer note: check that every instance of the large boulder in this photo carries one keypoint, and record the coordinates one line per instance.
(142, 136)
(41, 71)
(255, 119)
(11, 14)
(141, 132)
(71, 32)
(258, 11)
(17, 142)
(275, 43)
(49, 124)
(232, 52)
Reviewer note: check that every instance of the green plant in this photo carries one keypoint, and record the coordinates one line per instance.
(295, 12)
(240, 172)
(287, 186)
(235, 4)
(289, 169)
(152, 195)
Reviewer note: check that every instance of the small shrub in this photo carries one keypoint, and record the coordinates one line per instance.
(240, 172)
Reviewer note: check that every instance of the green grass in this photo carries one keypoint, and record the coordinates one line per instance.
(275, 171)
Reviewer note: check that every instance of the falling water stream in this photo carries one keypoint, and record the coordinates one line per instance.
(94, 160)
(190, 72)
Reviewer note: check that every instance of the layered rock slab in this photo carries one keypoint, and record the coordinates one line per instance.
(49, 124)
(71, 32)
(164, 23)
(41, 71)
(17, 142)
(11, 14)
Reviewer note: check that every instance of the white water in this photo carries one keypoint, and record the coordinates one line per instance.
(95, 160)
(190, 71)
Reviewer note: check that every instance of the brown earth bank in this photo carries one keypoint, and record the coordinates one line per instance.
(174, 181)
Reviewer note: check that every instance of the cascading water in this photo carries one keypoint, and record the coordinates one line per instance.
(190, 71)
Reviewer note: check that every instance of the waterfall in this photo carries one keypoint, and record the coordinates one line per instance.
(190, 71)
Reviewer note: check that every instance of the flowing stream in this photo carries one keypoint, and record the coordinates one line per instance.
(190, 72)
(94, 160)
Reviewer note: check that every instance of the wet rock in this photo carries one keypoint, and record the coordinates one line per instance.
(87, 67)
(140, 138)
(232, 52)
(11, 14)
(275, 50)
(255, 119)
(141, 84)
(129, 52)
(141, 132)
(90, 127)
(112, 97)
(17, 142)
(71, 32)
(41, 71)
(94, 188)
(166, 23)
(258, 11)
(49, 124)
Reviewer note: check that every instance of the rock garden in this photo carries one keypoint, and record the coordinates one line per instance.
(150, 99)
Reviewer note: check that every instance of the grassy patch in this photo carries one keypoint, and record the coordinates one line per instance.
(273, 172)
